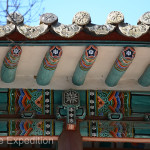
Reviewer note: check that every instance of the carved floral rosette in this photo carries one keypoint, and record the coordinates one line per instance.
(15, 18)
(81, 18)
(115, 17)
(32, 32)
(66, 31)
(12, 57)
(48, 18)
(100, 29)
(88, 58)
(52, 57)
(145, 18)
(125, 59)
(133, 31)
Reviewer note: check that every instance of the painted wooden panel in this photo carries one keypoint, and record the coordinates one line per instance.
(96, 102)
(30, 127)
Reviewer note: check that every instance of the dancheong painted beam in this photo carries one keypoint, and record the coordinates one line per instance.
(49, 65)
(10, 63)
(86, 62)
(120, 66)
(97, 103)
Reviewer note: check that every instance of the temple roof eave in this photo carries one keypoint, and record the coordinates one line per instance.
(81, 22)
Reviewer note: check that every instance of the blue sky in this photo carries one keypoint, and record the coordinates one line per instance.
(98, 9)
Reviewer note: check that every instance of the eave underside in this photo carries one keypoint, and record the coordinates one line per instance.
(32, 57)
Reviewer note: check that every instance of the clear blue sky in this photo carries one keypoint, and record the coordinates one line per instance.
(98, 9)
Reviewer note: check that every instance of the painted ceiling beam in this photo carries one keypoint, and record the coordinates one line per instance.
(10, 63)
(144, 80)
(49, 65)
(120, 66)
(86, 62)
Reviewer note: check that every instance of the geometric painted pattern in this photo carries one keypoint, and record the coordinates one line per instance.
(109, 102)
(24, 100)
(11, 60)
(114, 129)
(125, 59)
(99, 103)
(30, 127)
(88, 58)
(47, 101)
(52, 57)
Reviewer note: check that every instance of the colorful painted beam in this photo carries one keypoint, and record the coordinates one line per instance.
(97, 102)
(10, 63)
(144, 80)
(49, 65)
(134, 106)
(30, 127)
(120, 66)
(86, 62)
(71, 103)
(115, 129)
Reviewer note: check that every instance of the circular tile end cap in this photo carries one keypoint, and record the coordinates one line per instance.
(15, 18)
(48, 18)
(115, 17)
(81, 18)
(145, 18)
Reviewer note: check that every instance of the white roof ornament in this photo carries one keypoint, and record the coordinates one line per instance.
(66, 31)
(115, 17)
(32, 32)
(81, 18)
(6, 29)
(145, 18)
(81, 21)
(15, 18)
(132, 30)
(48, 18)
(100, 29)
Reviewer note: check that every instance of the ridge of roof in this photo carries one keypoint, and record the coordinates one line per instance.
(81, 22)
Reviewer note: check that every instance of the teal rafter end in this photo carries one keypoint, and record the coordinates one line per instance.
(144, 80)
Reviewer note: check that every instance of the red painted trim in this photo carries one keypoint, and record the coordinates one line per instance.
(124, 140)
(90, 139)
(27, 138)
(113, 36)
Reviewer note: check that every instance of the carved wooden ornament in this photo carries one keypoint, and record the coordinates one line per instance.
(132, 30)
(81, 18)
(48, 18)
(115, 17)
(15, 18)
(7, 29)
(100, 29)
(145, 18)
(32, 32)
(66, 31)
